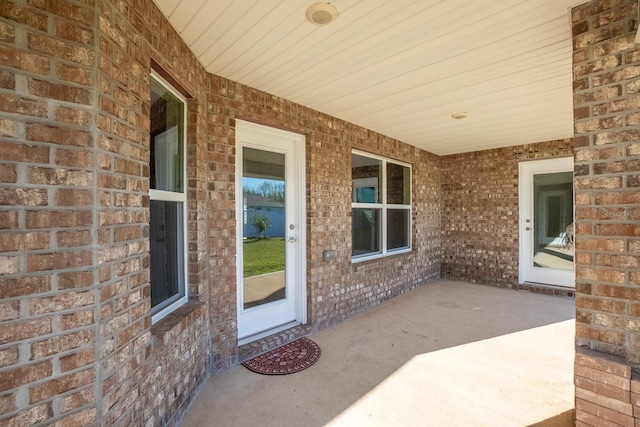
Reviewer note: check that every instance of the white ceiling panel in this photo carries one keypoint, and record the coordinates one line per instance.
(401, 67)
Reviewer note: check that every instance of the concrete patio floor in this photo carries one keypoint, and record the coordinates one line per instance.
(447, 354)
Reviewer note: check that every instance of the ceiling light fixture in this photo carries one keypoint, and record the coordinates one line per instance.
(459, 116)
(321, 13)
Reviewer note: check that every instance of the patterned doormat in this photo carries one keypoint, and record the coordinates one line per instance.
(288, 359)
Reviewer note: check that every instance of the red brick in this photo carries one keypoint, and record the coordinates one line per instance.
(16, 242)
(626, 73)
(7, 32)
(10, 288)
(77, 400)
(23, 197)
(601, 183)
(57, 219)
(603, 362)
(605, 402)
(76, 319)
(621, 292)
(61, 301)
(60, 385)
(76, 116)
(70, 30)
(618, 198)
(17, 331)
(82, 418)
(31, 416)
(608, 336)
(603, 413)
(620, 166)
(58, 260)
(24, 15)
(72, 238)
(24, 61)
(25, 374)
(9, 356)
(74, 197)
(10, 103)
(620, 261)
(618, 230)
(80, 14)
(60, 49)
(633, 150)
(9, 310)
(77, 360)
(8, 174)
(75, 280)
(59, 91)
(58, 135)
(76, 158)
(7, 127)
(7, 403)
(59, 176)
(604, 138)
(23, 153)
(7, 80)
(61, 344)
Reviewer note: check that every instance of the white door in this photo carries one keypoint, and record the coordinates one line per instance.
(271, 230)
(546, 222)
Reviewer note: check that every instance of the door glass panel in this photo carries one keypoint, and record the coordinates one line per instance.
(553, 221)
(263, 245)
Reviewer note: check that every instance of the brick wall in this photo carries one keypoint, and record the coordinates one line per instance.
(76, 341)
(148, 373)
(607, 155)
(48, 357)
(336, 289)
(480, 211)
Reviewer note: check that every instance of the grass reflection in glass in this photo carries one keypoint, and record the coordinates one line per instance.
(263, 256)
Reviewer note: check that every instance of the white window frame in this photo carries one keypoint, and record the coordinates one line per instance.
(384, 207)
(172, 196)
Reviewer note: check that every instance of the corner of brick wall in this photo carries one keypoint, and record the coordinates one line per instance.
(606, 390)
(606, 86)
(480, 211)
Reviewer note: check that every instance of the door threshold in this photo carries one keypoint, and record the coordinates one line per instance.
(270, 342)
(260, 335)
(543, 288)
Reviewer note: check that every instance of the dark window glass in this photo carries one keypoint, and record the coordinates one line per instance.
(397, 228)
(167, 140)
(167, 256)
(366, 231)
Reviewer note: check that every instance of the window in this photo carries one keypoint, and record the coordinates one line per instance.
(380, 206)
(167, 228)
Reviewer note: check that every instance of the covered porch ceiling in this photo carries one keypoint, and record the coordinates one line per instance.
(400, 68)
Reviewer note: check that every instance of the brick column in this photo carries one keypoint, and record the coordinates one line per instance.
(606, 71)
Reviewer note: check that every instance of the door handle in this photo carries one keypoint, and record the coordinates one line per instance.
(292, 239)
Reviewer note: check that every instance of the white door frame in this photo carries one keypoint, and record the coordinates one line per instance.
(527, 271)
(257, 136)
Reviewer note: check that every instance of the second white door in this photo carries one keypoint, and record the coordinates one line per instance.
(546, 222)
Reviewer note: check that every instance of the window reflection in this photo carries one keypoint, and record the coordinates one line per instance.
(167, 139)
